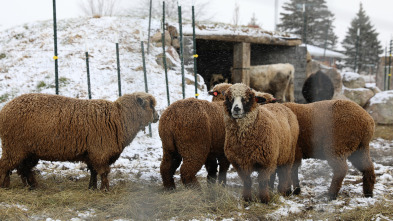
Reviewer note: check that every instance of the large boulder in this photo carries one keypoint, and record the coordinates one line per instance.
(381, 106)
(353, 80)
(359, 95)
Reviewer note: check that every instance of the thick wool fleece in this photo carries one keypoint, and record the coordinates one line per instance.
(334, 131)
(264, 139)
(192, 130)
(57, 128)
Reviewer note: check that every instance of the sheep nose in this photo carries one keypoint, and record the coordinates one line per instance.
(236, 108)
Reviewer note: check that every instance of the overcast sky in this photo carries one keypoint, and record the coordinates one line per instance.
(14, 12)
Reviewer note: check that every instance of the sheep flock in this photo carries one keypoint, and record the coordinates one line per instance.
(241, 127)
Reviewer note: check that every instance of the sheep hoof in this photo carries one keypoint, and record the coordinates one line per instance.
(297, 191)
(332, 197)
(368, 195)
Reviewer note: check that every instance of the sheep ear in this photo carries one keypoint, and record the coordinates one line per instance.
(214, 93)
(140, 101)
(260, 100)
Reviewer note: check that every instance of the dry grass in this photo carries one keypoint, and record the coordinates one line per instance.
(63, 198)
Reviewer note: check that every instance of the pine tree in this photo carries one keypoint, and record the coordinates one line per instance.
(253, 21)
(314, 17)
(364, 49)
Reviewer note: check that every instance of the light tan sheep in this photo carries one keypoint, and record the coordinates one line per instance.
(192, 130)
(276, 79)
(57, 128)
(334, 131)
(259, 138)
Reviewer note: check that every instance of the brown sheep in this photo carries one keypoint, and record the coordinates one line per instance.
(334, 131)
(218, 94)
(218, 91)
(259, 138)
(192, 130)
(57, 128)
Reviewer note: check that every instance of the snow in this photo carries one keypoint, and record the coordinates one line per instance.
(350, 76)
(320, 52)
(382, 97)
(28, 61)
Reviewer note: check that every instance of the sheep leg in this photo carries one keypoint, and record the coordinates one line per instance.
(284, 176)
(103, 171)
(93, 177)
(188, 170)
(362, 161)
(211, 167)
(245, 176)
(340, 169)
(224, 166)
(295, 178)
(170, 162)
(6, 166)
(263, 185)
(25, 171)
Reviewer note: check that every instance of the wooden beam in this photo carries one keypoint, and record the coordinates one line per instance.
(241, 63)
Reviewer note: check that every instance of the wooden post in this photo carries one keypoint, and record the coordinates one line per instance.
(241, 63)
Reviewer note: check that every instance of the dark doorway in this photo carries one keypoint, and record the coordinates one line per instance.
(214, 57)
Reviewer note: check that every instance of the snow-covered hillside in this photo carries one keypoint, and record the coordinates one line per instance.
(26, 65)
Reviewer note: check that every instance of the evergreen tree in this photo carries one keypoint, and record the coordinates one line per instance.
(314, 17)
(253, 22)
(364, 49)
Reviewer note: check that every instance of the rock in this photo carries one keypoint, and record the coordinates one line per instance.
(353, 80)
(172, 58)
(156, 38)
(359, 95)
(336, 79)
(381, 106)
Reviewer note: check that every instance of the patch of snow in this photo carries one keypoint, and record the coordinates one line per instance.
(382, 97)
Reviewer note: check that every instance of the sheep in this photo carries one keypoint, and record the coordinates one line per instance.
(218, 94)
(276, 79)
(335, 130)
(57, 128)
(218, 91)
(192, 130)
(217, 79)
(259, 138)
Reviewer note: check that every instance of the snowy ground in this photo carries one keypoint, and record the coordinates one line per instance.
(27, 66)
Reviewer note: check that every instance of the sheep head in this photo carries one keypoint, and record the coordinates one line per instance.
(145, 101)
(239, 100)
(264, 98)
(218, 91)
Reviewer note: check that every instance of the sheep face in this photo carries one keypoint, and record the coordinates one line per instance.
(149, 105)
(239, 100)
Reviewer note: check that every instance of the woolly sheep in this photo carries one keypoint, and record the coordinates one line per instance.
(57, 128)
(259, 138)
(335, 130)
(218, 94)
(276, 79)
(192, 130)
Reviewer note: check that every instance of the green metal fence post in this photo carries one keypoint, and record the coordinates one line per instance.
(88, 74)
(195, 53)
(118, 68)
(164, 53)
(55, 57)
(181, 49)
